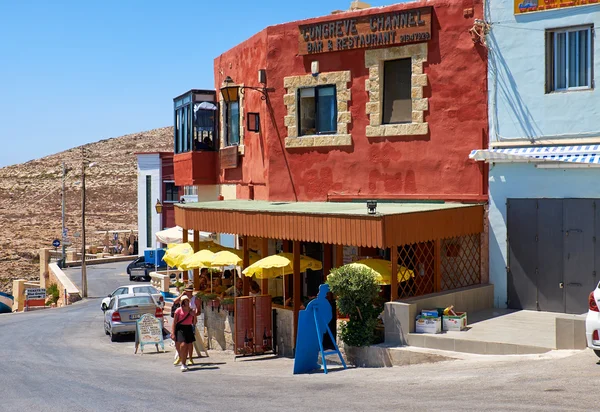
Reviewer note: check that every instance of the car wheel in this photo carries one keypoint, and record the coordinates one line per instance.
(113, 337)
(131, 278)
(597, 352)
(106, 331)
(104, 306)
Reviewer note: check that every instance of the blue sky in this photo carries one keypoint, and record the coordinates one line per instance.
(77, 71)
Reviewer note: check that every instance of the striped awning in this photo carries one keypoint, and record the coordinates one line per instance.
(589, 154)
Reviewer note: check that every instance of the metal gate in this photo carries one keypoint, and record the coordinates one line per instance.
(552, 253)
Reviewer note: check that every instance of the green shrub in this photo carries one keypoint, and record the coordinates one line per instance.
(52, 294)
(357, 294)
(227, 301)
(207, 297)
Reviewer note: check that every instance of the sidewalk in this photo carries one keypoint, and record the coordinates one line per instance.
(506, 331)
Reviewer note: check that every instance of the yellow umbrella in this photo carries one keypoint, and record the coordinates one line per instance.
(363, 266)
(268, 267)
(176, 254)
(198, 260)
(280, 264)
(384, 268)
(226, 258)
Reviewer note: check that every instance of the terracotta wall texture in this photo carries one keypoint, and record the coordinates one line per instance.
(435, 165)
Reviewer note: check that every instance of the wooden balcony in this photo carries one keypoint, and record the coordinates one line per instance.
(195, 168)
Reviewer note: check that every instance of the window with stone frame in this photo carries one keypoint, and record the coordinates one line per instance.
(397, 100)
(389, 115)
(317, 110)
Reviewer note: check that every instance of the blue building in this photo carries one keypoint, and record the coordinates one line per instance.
(544, 153)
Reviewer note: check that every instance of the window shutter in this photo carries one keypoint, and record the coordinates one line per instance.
(549, 84)
(397, 84)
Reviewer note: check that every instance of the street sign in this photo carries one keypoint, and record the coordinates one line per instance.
(116, 236)
(56, 243)
(33, 294)
(65, 231)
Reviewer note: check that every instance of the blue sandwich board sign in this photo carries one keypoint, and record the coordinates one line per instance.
(313, 323)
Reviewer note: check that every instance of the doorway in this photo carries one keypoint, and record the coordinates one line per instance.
(552, 253)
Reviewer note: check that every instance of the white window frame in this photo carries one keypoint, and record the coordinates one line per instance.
(568, 31)
(169, 201)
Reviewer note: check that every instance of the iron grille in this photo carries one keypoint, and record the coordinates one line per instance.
(418, 258)
(460, 262)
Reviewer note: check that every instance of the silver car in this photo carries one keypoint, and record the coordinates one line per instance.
(137, 289)
(124, 310)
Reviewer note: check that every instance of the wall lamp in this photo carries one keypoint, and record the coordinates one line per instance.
(158, 206)
(372, 207)
(231, 91)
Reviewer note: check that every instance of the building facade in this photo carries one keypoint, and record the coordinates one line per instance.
(543, 213)
(380, 103)
(155, 184)
(348, 136)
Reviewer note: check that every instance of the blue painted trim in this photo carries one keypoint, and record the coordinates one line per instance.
(4, 308)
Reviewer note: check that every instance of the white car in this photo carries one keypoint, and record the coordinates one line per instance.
(592, 322)
(133, 289)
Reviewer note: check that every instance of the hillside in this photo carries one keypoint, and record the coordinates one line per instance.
(30, 198)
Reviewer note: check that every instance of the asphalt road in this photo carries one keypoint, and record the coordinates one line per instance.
(102, 279)
(61, 360)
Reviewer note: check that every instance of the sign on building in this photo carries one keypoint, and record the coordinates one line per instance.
(228, 157)
(530, 6)
(375, 30)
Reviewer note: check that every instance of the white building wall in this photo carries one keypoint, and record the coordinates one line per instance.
(148, 165)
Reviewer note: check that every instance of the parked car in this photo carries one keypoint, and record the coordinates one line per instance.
(592, 322)
(135, 289)
(139, 268)
(123, 311)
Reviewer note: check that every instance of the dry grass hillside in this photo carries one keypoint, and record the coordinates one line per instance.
(30, 198)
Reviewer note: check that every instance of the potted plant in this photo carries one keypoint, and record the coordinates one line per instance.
(210, 299)
(357, 293)
(227, 304)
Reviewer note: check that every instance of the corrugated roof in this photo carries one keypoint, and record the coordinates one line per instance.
(321, 208)
(333, 223)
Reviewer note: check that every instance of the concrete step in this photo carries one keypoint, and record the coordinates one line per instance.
(382, 355)
(482, 347)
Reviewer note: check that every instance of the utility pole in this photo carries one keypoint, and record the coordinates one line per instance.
(64, 253)
(83, 268)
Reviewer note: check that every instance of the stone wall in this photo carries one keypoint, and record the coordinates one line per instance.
(58, 277)
(218, 324)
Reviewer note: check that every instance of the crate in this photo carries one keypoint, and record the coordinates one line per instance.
(427, 324)
(458, 322)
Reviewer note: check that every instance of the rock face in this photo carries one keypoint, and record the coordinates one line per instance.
(30, 198)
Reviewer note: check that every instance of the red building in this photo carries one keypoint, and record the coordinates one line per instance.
(409, 143)
(377, 104)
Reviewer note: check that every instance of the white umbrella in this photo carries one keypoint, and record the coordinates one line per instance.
(175, 235)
